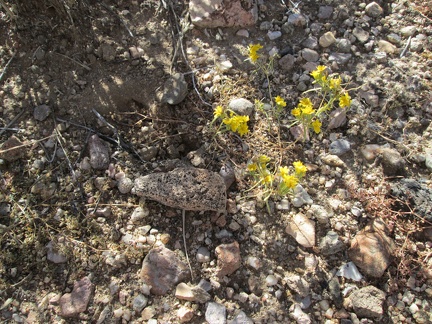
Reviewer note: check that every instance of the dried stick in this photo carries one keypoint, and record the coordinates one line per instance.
(6, 66)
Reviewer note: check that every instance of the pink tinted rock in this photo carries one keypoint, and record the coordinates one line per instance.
(223, 13)
(229, 259)
(371, 249)
(162, 270)
(74, 303)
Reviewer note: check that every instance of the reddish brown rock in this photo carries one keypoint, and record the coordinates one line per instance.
(228, 258)
(223, 13)
(74, 303)
(162, 270)
(371, 249)
(12, 149)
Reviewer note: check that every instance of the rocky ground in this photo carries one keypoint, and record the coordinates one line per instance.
(107, 138)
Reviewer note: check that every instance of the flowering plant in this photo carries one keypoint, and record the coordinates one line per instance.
(280, 182)
(231, 121)
(332, 92)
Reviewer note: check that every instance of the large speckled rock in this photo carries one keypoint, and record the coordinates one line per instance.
(184, 188)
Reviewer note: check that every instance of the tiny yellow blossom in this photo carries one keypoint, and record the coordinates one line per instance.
(345, 100)
(252, 167)
(300, 168)
(296, 112)
(317, 73)
(218, 112)
(253, 49)
(290, 181)
(268, 178)
(308, 110)
(280, 102)
(305, 102)
(283, 171)
(263, 159)
(316, 125)
(335, 83)
(243, 129)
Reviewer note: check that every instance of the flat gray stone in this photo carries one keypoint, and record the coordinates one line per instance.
(242, 106)
(175, 89)
(184, 188)
(215, 313)
(41, 112)
(368, 302)
(339, 147)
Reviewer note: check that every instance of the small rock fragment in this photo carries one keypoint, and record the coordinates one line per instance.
(74, 303)
(373, 9)
(194, 294)
(361, 35)
(139, 302)
(242, 107)
(41, 112)
(229, 259)
(185, 314)
(287, 62)
(386, 47)
(302, 229)
(368, 302)
(298, 315)
(327, 39)
(162, 269)
(301, 197)
(331, 244)
(12, 149)
(184, 188)
(333, 160)
(215, 313)
(53, 254)
(297, 20)
(99, 153)
(203, 254)
(125, 185)
(310, 55)
(392, 162)
(175, 89)
(298, 284)
(339, 147)
(371, 249)
(241, 318)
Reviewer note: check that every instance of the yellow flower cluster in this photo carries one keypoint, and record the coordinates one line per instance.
(253, 52)
(334, 84)
(237, 124)
(233, 122)
(331, 90)
(280, 101)
(285, 179)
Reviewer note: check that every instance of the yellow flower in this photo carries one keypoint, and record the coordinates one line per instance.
(243, 129)
(283, 171)
(263, 159)
(335, 83)
(218, 112)
(290, 181)
(308, 110)
(253, 49)
(317, 73)
(252, 167)
(305, 102)
(296, 112)
(268, 178)
(345, 100)
(300, 168)
(280, 102)
(316, 125)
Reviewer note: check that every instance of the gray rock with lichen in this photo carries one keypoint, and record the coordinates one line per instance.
(184, 188)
